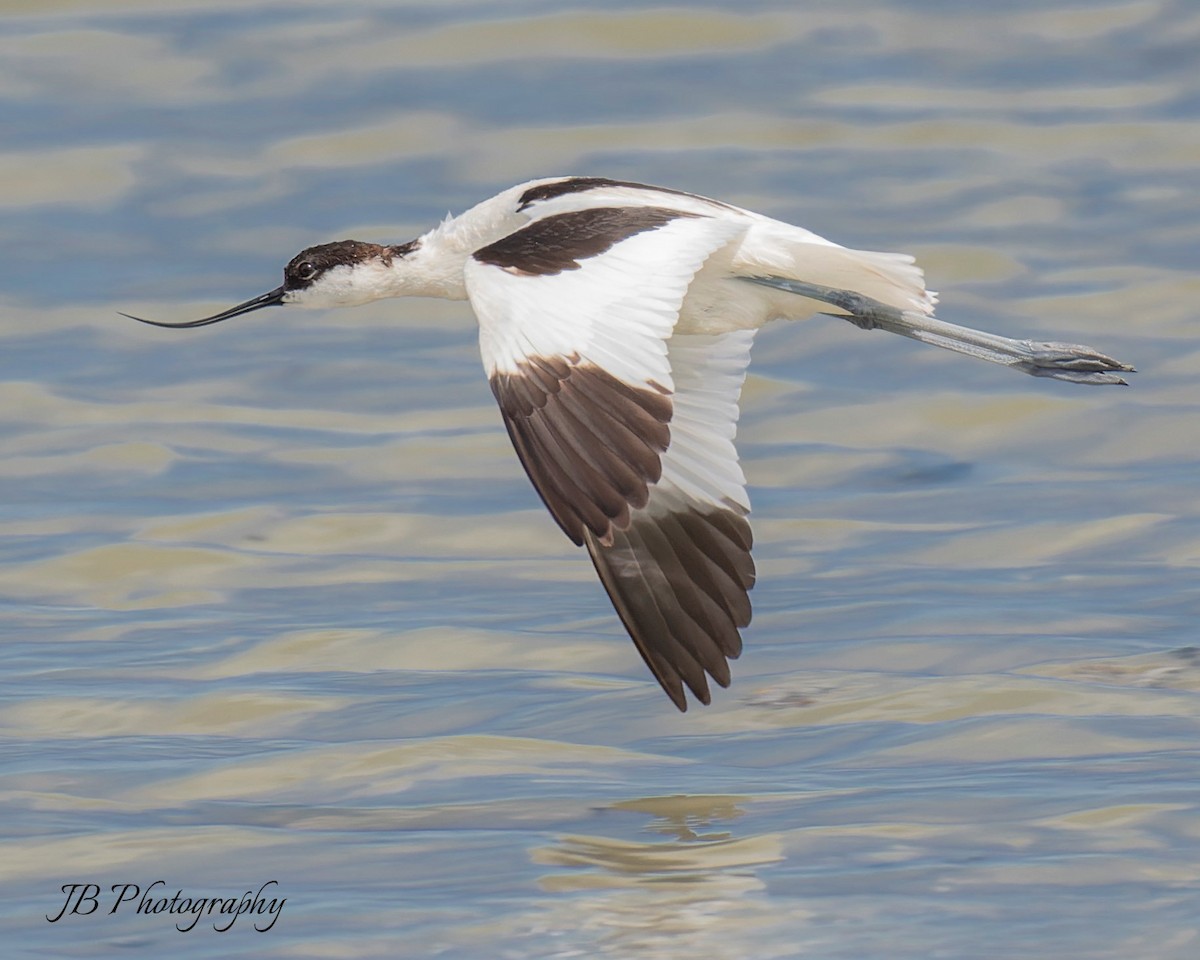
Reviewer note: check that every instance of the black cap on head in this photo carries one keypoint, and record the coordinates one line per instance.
(306, 266)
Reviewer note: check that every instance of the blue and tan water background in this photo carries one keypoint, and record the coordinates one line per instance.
(279, 604)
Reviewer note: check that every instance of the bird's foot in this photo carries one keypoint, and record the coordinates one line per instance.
(1073, 362)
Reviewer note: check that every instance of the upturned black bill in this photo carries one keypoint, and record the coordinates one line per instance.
(272, 299)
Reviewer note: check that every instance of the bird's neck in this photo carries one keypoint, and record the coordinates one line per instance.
(440, 258)
(433, 268)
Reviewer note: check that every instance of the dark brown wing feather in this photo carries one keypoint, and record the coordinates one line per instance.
(590, 442)
(680, 580)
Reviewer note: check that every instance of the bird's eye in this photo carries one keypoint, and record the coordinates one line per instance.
(305, 270)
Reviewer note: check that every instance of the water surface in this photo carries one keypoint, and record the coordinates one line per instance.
(280, 605)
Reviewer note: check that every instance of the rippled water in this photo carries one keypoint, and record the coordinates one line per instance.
(280, 605)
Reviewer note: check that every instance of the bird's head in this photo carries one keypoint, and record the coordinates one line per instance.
(342, 274)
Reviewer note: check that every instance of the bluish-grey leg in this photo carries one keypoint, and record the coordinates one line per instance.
(1061, 361)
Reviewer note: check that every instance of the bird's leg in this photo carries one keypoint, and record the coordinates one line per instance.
(863, 323)
(1061, 361)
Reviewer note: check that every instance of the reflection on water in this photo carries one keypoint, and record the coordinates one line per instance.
(280, 604)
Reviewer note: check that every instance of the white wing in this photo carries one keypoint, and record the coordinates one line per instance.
(629, 447)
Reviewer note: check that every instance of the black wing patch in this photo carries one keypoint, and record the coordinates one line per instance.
(557, 243)
(569, 185)
(680, 578)
(590, 442)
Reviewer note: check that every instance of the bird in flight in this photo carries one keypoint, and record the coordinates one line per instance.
(615, 324)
